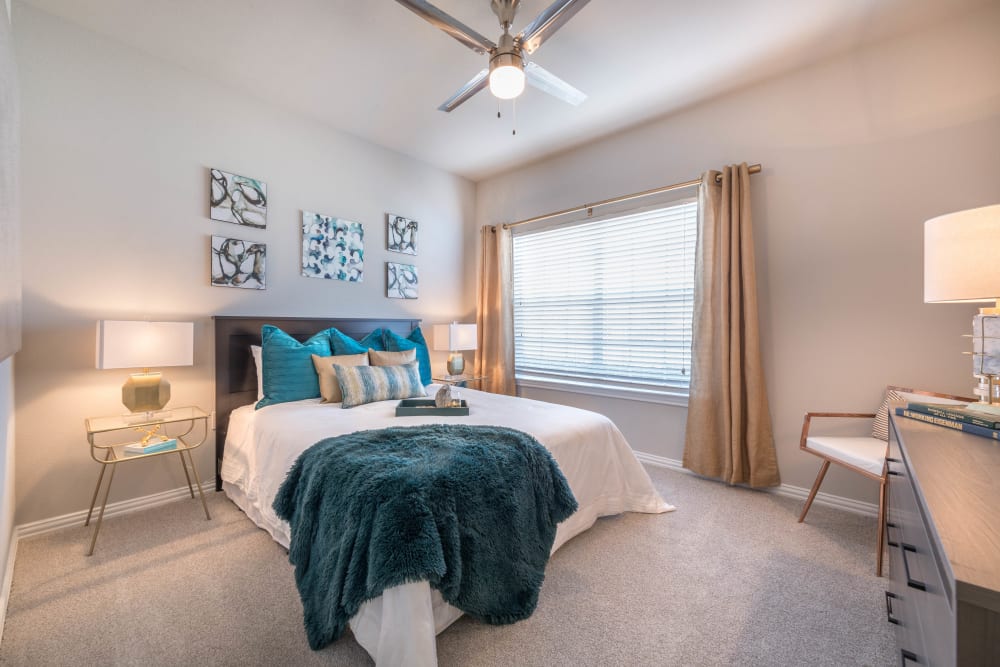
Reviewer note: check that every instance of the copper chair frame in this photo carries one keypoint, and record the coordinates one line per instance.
(883, 500)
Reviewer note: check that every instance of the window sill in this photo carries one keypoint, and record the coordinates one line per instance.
(661, 397)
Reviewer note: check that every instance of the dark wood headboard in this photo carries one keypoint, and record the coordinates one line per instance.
(236, 375)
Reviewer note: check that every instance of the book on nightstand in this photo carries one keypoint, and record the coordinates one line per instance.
(949, 423)
(151, 447)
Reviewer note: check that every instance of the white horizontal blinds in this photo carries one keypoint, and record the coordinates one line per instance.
(608, 301)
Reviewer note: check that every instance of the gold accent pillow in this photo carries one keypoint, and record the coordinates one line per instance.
(379, 358)
(329, 386)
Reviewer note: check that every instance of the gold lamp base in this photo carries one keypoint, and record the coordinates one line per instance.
(456, 363)
(145, 392)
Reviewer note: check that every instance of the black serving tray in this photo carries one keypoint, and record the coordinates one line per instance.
(424, 407)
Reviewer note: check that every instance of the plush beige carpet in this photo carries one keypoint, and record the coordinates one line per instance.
(730, 578)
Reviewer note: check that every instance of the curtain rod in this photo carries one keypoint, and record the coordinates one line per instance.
(753, 169)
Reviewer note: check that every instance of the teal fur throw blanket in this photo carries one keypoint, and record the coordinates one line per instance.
(470, 509)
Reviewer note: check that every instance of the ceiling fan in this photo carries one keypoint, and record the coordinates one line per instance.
(508, 68)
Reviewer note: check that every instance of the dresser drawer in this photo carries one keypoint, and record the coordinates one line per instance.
(942, 503)
(918, 581)
(901, 610)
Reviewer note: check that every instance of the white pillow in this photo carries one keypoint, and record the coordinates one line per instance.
(255, 351)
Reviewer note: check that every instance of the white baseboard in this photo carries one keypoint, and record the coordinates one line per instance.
(113, 509)
(8, 579)
(787, 490)
(76, 519)
(661, 462)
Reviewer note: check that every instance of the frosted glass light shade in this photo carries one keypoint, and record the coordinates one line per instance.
(962, 256)
(455, 336)
(127, 344)
(507, 81)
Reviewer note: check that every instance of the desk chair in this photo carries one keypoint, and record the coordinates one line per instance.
(864, 455)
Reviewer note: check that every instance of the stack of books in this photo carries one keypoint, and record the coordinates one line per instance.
(975, 418)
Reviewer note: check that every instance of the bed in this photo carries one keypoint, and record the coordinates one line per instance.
(256, 448)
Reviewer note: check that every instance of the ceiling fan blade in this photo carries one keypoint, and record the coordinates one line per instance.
(476, 84)
(450, 25)
(546, 81)
(546, 23)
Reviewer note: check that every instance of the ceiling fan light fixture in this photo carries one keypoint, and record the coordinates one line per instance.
(507, 76)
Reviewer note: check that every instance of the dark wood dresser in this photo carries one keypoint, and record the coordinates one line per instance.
(943, 532)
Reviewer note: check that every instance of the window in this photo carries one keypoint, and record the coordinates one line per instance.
(605, 307)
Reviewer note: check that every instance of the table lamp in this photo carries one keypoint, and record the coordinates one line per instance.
(124, 344)
(962, 265)
(454, 338)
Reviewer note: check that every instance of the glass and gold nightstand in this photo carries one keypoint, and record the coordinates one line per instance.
(459, 380)
(137, 427)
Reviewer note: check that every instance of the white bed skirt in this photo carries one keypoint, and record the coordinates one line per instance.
(399, 627)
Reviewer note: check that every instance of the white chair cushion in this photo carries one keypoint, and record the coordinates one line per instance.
(862, 452)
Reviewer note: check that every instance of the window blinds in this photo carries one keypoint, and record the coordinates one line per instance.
(607, 302)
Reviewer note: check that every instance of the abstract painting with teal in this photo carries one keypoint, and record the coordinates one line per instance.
(238, 199)
(332, 248)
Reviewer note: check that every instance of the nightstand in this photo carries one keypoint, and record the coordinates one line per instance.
(182, 420)
(460, 380)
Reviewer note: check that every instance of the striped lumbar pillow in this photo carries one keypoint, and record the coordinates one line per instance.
(367, 384)
(880, 427)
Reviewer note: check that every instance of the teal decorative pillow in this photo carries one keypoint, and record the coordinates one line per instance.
(341, 343)
(415, 341)
(367, 384)
(289, 374)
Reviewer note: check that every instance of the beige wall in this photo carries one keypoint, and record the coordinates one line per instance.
(116, 148)
(857, 153)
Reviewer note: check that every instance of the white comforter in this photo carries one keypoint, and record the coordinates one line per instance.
(399, 627)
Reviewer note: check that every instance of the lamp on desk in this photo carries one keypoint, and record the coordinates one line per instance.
(125, 344)
(455, 337)
(962, 265)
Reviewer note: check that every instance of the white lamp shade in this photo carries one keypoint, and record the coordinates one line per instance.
(125, 344)
(962, 256)
(455, 336)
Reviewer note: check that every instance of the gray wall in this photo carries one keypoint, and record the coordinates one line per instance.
(858, 152)
(116, 151)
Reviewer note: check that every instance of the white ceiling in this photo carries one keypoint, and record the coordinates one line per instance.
(376, 70)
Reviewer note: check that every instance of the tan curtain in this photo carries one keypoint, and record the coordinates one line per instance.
(495, 313)
(728, 423)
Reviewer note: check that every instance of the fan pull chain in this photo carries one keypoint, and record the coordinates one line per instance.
(513, 113)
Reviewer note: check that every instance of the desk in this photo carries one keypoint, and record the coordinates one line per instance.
(943, 533)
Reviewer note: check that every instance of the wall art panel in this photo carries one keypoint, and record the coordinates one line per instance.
(401, 234)
(332, 248)
(238, 199)
(238, 263)
(401, 281)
